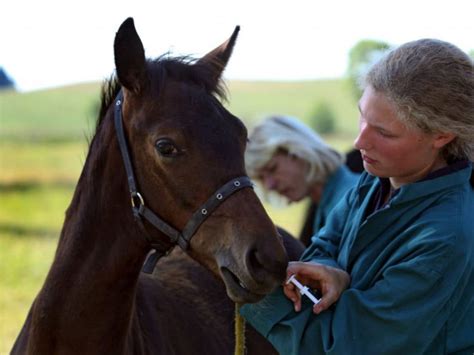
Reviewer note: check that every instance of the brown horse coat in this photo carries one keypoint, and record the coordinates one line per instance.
(183, 145)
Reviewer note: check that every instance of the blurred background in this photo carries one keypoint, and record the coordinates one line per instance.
(298, 59)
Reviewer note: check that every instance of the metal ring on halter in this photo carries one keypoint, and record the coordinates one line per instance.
(136, 196)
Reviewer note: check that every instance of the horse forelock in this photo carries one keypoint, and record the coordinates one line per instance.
(183, 69)
(165, 67)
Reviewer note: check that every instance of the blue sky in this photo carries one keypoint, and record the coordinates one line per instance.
(51, 43)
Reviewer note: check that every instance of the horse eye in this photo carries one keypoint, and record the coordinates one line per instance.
(166, 148)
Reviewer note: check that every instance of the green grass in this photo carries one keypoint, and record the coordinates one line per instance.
(252, 101)
(24, 263)
(57, 114)
(42, 150)
(32, 211)
(69, 113)
(48, 162)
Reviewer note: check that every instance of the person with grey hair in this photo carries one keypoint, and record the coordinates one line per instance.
(285, 156)
(394, 263)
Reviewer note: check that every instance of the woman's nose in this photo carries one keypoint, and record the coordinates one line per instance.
(362, 141)
(358, 142)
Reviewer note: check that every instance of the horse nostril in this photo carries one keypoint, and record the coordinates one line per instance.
(263, 267)
(266, 262)
(254, 263)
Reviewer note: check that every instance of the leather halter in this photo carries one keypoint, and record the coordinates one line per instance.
(140, 211)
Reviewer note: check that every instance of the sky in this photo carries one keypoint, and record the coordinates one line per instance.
(50, 43)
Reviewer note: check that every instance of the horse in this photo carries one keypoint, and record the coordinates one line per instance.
(165, 167)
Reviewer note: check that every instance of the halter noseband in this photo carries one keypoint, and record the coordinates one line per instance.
(141, 211)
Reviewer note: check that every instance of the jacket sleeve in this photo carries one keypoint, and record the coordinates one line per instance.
(402, 312)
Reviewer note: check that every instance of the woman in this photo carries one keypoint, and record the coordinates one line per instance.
(398, 254)
(286, 157)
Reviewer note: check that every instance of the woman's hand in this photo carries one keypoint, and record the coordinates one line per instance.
(329, 281)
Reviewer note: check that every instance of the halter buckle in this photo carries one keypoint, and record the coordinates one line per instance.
(137, 200)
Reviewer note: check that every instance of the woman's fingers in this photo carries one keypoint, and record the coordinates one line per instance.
(338, 280)
(293, 294)
(329, 297)
(306, 272)
(330, 281)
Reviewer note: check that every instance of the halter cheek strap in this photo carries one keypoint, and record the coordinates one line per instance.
(140, 211)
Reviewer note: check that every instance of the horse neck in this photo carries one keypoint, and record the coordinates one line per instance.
(101, 249)
(99, 218)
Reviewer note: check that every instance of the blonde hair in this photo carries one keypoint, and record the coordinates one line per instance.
(431, 83)
(286, 133)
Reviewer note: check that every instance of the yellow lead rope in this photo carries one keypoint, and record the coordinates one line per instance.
(239, 332)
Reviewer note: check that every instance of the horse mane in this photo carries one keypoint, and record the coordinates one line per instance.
(183, 68)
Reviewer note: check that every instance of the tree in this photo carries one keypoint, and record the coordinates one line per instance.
(361, 56)
(5, 81)
(323, 120)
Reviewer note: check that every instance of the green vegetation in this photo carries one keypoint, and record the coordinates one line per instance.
(36, 184)
(361, 56)
(252, 101)
(58, 114)
(57, 162)
(323, 120)
(43, 145)
(24, 262)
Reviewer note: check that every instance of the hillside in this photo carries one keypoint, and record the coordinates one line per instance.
(69, 113)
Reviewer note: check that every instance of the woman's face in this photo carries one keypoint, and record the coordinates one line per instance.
(285, 174)
(389, 148)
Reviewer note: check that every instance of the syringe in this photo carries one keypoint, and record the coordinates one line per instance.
(304, 290)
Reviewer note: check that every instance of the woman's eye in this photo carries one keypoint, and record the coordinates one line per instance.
(386, 134)
(166, 148)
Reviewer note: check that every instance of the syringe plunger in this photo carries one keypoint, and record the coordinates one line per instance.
(304, 290)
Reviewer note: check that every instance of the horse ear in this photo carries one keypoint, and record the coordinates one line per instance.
(130, 61)
(216, 60)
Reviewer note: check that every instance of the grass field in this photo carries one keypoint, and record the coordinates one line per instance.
(36, 184)
(43, 144)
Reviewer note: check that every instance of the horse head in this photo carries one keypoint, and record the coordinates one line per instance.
(184, 146)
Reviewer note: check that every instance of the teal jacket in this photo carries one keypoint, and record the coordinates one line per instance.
(412, 276)
(335, 188)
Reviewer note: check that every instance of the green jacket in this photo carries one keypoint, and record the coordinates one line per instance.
(412, 276)
(334, 189)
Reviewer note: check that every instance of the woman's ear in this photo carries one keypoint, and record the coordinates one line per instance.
(442, 138)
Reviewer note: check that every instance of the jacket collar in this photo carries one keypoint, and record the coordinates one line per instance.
(431, 184)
